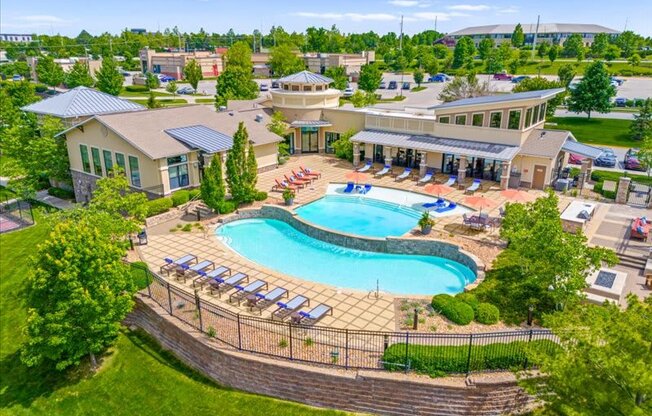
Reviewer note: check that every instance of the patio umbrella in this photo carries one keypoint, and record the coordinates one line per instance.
(516, 195)
(479, 202)
(437, 188)
(357, 176)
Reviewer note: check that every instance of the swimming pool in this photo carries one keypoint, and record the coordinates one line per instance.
(280, 247)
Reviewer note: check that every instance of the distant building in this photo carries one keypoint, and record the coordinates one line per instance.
(138, 31)
(320, 62)
(65, 64)
(173, 63)
(13, 37)
(555, 33)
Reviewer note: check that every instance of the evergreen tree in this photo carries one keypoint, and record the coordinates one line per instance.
(212, 187)
(236, 164)
(553, 53)
(485, 47)
(641, 127)
(152, 81)
(152, 102)
(79, 75)
(518, 37)
(542, 49)
(49, 72)
(236, 82)
(109, 79)
(251, 174)
(464, 52)
(594, 92)
(193, 73)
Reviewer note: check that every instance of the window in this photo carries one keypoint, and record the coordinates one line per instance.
(535, 115)
(461, 119)
(331, 137)
(514, 120)
(97, 163)
(177, 159)
(86, 164)
(108, 160)
(528, 117)
(319, 88)
(478, 119)
(445, 119)
(295, 88)
(495, 119)
(542, 112)
(307, 88)
(120, 161)
(134, 171)
(178, 171)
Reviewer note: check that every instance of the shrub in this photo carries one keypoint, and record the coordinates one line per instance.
(487, 314)
(136, 88)
(40, 87)
(453, 309)
(61, 193)
(180, 197)
(440, 301)
(469, 299)
(193, 193)
(158, 206)
(226, 207)
(260, 196)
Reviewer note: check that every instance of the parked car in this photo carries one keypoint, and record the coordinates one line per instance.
(275, 84)
(405, 86)
(439, 78)
(631, 160)
(264, 87)
(17, 78)
(348, 92)
(186, 90)
(392, 85)
(614, 84)
(620, 102)
(518, 79)
(607, 158)
(619, 81)
(125, 73)
(382, 85)
(165, 78)
(575, 159)
(502, 76)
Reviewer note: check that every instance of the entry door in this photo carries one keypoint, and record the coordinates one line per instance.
(539, 177)
(309, 139)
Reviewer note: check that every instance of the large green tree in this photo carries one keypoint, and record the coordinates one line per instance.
(613, 52)
(566, 73)
(553, 53)
(574, 46)
(213, 190)
(370, 77)
(192, 73)
(602, 366)
(484, 48)
(339, 77)
(539, 83)
(49, 72)
(284, 60)
(113, 196)
(599, 45)
(645, 154)
(464, 52)
(593, 92)
(518, 37)
(109, 79)
(236, 82)
(641, 127)
(279, 126)
(464, 87)
(628, 42)
(79, 75)
(241, 173)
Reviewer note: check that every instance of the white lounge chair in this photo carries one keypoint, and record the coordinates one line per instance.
(427, 177)
(384, 171)
(186, 271)
(221, 285)
(406, 174)
(315, 314)
(242, 292)
(474, 186)
(173, 264)
(366, 167)
(206, 276)
(451, 180)
(264, 300)
(285, 309)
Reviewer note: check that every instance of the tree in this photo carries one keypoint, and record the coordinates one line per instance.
(213, 190)
(513, 66)
(284, 61)
(172, 88)
(343, 146)
(634, 59)
(241, 169)
(612, 52)
(518, 37)
(641, 127)
(464, 87)
(152, 102)
(645, 154)
(250, 173)
(542, 49)
(594, 91)
(628, 42)
(599, 45)
(152, 81)
(484, 48)
(358, 99)
(553, 53)
(574, 46)
(431, 66)
(338, 75)
(279, 126)
(109, 79)
(602, 365)
(494, 63)
(236, 82)
(114, 197)
(370, 77)
(192, 73)
(79, 75)
(539, 83)
(78, 292)
(566, 73)
(49, 72)
(418, 76)
(464, 52)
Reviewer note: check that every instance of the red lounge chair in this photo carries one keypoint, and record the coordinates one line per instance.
(640, 230)
(303, 176)
(282, 185)
(297, 182)
(309, 172)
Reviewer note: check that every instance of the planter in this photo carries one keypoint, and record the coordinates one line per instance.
(426, 230)
(289, 202)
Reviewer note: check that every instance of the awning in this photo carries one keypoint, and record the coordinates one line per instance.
(438, 144)
(572, 146)
(201, 138)
(310, 123)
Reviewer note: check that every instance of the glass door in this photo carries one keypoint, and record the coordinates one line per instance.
(309, 139)
(378, 153)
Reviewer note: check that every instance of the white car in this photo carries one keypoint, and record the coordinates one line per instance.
(348, 92)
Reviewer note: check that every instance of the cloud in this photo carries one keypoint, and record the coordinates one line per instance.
(356, 17)
(36, 21)
(469, 7)
(409, 3)
(510, 9)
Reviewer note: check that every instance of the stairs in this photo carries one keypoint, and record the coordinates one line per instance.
(200, 210)
(632, 261)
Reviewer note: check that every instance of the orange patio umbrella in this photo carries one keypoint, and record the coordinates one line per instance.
(479, 202)
(516, 195)
(437, 188)
(357, 176)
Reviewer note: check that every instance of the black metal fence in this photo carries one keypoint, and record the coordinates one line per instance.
(430, 353)
(15, 213)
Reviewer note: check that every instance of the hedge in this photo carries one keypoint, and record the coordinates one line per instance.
(226, 207)
(468, 298)
(193, 193)
(487, 314)
(61, 193)
(453, 309)
(180, 197)
(158, 206)
(260, 196)
(439, 360)
(136, 88)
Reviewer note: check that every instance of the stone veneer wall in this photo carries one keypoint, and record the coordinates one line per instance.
(356, 391)
(393, 245)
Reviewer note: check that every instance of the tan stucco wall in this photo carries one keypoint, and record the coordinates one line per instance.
(343, 120)
(294, 114)
(305, 100)
(525, 165)
(266, 155)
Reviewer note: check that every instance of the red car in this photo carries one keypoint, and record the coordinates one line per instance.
(575, 159)
(502, 76)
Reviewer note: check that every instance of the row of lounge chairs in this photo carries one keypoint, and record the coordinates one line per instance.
(351, 187)
(256, 294)
(440, 205)
(297, 180)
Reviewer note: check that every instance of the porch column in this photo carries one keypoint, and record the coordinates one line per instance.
(423, 165)
(623, 190)
(297, 141)
(505, 168)
(585, 172)
(461, 171)
(321, 141)
(356, 154)
(388, 156)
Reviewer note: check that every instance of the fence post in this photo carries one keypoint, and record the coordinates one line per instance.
(170, 299)
(239, 333)
(149, 284)
(529, 339)
(290, 331)
(346, 349)
(468, 358)
(198, 303)
(407, 344)
(31, 213)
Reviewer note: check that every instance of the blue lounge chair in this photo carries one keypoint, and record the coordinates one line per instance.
(285, 309)
(384, 171)
(366, 167)
(438, 203)
(173, 264)
(186, 271)
(349, 188)
(220, 284)
(427, 177)
(451, 180)
(474, 186)
(451, 206)
(406, 174)
(315, 314)
(206, 276)
(242, 292)
(367, 188)
(264, 300)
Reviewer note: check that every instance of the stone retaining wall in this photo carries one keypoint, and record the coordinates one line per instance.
(356, 391)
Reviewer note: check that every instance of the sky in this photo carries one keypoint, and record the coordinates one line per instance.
(69, 17)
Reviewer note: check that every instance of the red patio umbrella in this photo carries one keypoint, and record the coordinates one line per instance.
(479, 202)
(357, 176)
(437, 188)
(516, 195)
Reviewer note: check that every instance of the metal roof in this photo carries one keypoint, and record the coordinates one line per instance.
(581, 149)
(502, 98)
(305, 77)
(82, 101)
(310, 123)
(530, 28)
(438, 144)
(202, 138)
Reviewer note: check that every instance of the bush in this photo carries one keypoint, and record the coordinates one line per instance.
(487, 314)
(440, 301)
(40, 87)
(136, 88)
(61, 193)
(180, 197)
(194, 193)
(469, 299)
(158, 206)
(260, 196)
(453, 309)
(226, 207)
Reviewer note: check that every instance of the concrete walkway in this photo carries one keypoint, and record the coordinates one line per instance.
(53, 201)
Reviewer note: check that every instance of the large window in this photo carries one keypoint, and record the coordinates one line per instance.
(445, 119)
(461, 119)
(514, 120)
(528, 117)
(478, 119)
(495, 119)
(86, 163)
(535, 115)
(134, 171)
(178, 171)
(120, 161)
(331, 137)
(542, 112)
(108, 161)
(97, 163)
(309, 139)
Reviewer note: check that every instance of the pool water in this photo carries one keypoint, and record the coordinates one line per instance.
(280, 247)
(359, 215)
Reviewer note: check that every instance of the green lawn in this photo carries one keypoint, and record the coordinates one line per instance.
(5, 193)
(136, 377)
(597, 131)
(617, 68)
(165, 102)
(417, 89)
(128, 94)
(205, 100)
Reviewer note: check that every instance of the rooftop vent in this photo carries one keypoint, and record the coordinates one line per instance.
(222, 108)
(259, 118)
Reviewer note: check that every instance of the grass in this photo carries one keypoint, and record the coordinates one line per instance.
(205, 100)
(616, 68)
(125, 93)
(417, 89)
(5, 193)
(136, 378)
(391, 100)
(597, 131)
(165, 102)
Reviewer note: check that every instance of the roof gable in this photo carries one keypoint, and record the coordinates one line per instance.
(203, 138)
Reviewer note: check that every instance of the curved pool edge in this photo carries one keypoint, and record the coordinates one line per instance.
(390, 245)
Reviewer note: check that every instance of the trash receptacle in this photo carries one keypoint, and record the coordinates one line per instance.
(561, 185)
(142, 238)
